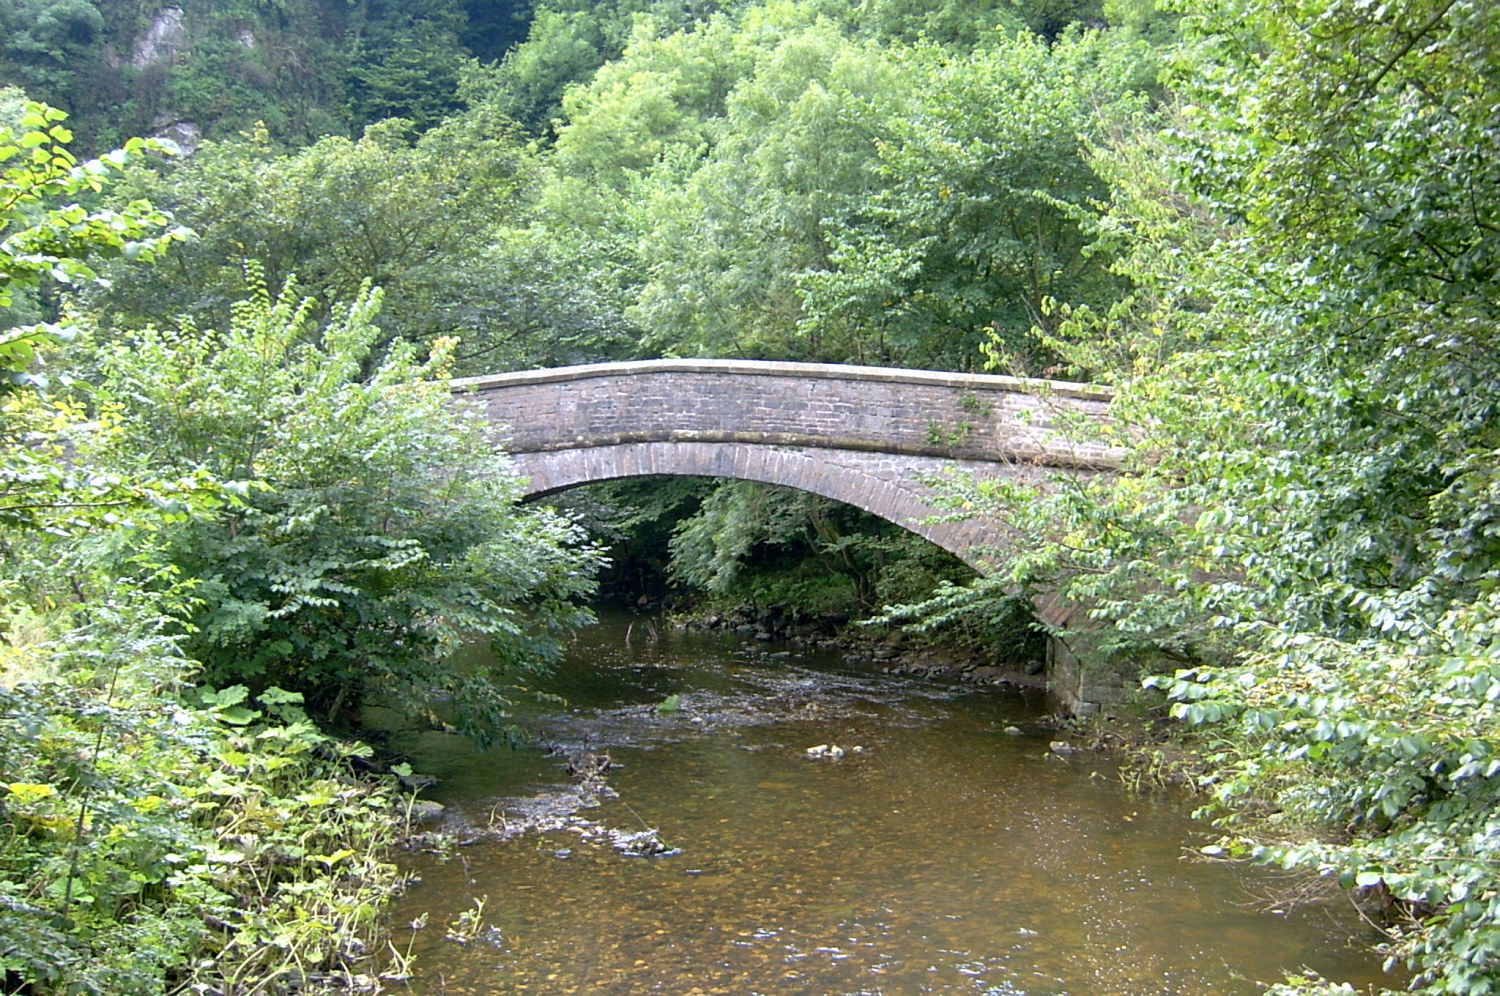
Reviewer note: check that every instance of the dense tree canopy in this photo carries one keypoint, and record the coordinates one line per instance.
(1308, 358)
(434, 225)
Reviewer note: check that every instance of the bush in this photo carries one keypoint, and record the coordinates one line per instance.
(377, 526)
(154, 844)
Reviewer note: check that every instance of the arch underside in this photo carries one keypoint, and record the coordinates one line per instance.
(886, 485)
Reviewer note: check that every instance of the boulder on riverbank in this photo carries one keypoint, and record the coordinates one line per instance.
(971, 668)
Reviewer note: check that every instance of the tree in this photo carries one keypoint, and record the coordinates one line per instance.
(795, 162)
(132, 797)
(1353, 147)
(1353, 297)
(982, 212)
(776, 546)
(405, 64)
(436, 225)
(493, 27)
(1312, 519)
(45, 40)
(658, 96)
(377, 528)
(955, 24)
(44, 244)
(568, 40)
(65, 243)
(785, 191)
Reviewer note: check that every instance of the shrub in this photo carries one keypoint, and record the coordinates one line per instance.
(377, 526)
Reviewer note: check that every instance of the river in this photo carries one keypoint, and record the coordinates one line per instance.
(942, 853)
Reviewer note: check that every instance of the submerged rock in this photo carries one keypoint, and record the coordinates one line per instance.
(588, 766)
(645, 844)
(425, 810)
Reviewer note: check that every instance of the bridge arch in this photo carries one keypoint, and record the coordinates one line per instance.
(852, 478)
(868, 436)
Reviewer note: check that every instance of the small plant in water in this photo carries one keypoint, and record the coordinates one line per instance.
(469, 925)
(399, 967)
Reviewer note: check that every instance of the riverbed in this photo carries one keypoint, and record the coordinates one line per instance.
(945, 847)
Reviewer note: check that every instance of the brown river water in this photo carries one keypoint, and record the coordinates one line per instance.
(944, 856)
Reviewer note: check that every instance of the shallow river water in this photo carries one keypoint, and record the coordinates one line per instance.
(944, 856)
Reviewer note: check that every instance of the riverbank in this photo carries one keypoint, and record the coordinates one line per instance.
(892, 652)
(164, 838)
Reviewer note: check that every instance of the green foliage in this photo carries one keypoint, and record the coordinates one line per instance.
(378, 526)
(62, 244)
(42, 42)
(1362, 500)
(493, 27)
(1395, 743)
(426, 227)
(307, 68)
(634, 518)
(45, 245)
(980, 614)
(1335, 374)
(793, 164)
(756, 181)
(243, 66)
(562, 47)
(954, 24)
(54, 30)
(709, 549)
(778, 546)
(1307, 373)
(160, 837)
(661, 93)
(300, 68)
(768, 186)
(568, 40)
(154, 838)
(981, 213)
(152, 844)
(404, 62)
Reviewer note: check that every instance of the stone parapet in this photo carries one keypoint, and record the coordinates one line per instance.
(913, 412)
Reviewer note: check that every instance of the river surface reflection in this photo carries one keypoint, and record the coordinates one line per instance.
(945, 856)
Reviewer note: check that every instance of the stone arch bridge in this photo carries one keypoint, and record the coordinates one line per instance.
(872, 437)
